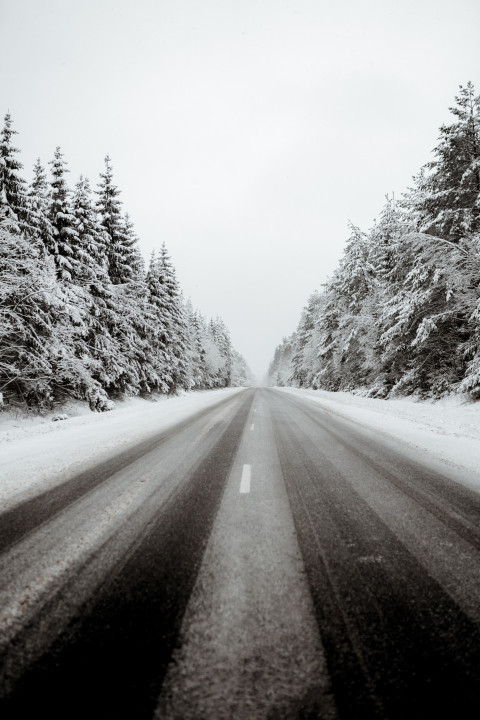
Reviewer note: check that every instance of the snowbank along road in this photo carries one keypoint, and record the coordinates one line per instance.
(262, 558)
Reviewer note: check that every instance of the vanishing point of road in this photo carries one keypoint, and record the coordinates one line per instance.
(262, 559)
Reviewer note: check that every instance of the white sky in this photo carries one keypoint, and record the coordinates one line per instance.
(245, 134)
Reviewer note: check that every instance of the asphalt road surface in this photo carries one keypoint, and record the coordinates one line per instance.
(263, 559)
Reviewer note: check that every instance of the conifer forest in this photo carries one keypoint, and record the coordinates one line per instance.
(400, 315)
(81, 316)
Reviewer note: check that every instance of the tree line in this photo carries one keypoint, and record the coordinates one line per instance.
(401, 312)
(81, 315)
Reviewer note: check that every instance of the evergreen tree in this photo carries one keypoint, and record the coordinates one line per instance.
(159, 336)
(221, 337)
(300, 355)
(280, 370)
(13, 188)
(425, 324)
(241, 374)
(89, 246)
(331, 336)
(39, 204)
(121, 258)
(175, 327)
(470, 349)
(132, 253)
(393, 223)
(400, 313)
(38, 362)
(78, 317)
(25, 329)
(98, 344)
(195, 351)
(446, 199)
(63, 222)
(214, 362)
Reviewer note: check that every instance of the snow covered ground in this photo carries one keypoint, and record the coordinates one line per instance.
(37, 452)
(447, 430)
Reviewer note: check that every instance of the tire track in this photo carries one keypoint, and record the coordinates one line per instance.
(110, 661)
(23, 518)
(453, 504)
(396, 644)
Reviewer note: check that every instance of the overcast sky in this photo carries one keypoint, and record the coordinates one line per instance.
(243, 133)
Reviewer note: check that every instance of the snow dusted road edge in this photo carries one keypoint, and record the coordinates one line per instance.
(38, 453)
(447, 430)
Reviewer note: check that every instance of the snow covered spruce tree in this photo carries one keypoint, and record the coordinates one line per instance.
(70, 359)
(25, 327)
(446, 199)
(345, 334)
(280, 370)
(401, 312)
(13, 188)
(39, 205)
(241, 374)
(129, 370)
(425, 322)
(130, 239)
(27, 290)
(30, 299)
(232, 369)
(386, 248)
(302, 350)
(330, 348)
(429, 322)
(37, 348)
(169, 330)
(79, 317)
(175, 324)
(470, 348)
(221, 352)
(62, 221)
(195, 348)
(121, 244)
(99, 348)
(90, 241)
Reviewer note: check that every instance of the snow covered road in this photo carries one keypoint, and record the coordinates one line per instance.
(447, 431)
(36, 452)
(242, 554)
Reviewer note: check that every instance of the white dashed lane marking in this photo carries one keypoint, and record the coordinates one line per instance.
(245, 481)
